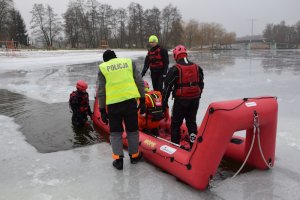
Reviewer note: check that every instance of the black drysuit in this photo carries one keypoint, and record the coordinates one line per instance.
(182, 108)
(79, 104)
(157, 74)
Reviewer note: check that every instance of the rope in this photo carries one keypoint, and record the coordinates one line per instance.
(269, 165)
(255, 127)
(246, 159)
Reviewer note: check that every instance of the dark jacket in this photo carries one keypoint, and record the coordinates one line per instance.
(165, 59)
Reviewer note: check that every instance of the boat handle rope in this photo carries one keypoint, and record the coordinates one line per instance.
(269, 165)
(255, 126)
(256, 130)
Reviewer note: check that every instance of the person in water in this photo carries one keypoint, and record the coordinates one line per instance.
(149, 121)
(120, 84)
(185, 80)
(79, 104)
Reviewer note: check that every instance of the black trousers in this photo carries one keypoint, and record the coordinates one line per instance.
(184, 109)
(157, 80)
(124, 111)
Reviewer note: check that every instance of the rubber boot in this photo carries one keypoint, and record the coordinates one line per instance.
(118, 163)
(134, 159)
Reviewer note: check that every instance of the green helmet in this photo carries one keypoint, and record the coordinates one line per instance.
(153, 38)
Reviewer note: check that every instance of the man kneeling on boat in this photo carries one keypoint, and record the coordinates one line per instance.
(149, 122)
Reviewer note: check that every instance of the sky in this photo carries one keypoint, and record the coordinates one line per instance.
(234, 15)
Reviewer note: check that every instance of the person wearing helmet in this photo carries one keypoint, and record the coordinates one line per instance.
(185, 80)
(114, 75)
(79, 104)
(157, 60)
(149, 121)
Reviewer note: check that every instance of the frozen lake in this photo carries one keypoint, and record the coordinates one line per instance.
(40, 158)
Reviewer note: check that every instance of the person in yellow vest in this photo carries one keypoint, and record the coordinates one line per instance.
(120, 85)
(149, 122)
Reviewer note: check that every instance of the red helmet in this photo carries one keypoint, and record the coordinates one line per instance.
(81, 85)
(146, 85)
(180, 49)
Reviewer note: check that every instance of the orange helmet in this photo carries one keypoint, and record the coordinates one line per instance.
(146, 85)
(81, 85)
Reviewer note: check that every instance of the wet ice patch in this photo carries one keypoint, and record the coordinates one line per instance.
(46, 76)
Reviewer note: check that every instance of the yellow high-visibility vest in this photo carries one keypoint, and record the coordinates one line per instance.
(120, 85)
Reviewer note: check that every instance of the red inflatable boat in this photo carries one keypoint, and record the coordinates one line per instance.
(216, 138)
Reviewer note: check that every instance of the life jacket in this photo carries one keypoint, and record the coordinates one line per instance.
(155, 59)
(187, 86)
(154, 109)
(120, 84)
(79, 102)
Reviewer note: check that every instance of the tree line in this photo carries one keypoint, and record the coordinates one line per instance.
(91, 24)
(282, 33)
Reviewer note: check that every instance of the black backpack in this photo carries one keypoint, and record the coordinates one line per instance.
(155, 112)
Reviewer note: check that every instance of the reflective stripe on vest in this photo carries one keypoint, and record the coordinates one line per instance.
(188, 82)
(120, 85)
(153, 99)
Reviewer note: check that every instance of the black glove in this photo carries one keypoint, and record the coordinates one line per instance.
(142, 106)
(104, 115)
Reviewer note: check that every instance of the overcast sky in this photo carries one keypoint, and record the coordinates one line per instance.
(233, 15)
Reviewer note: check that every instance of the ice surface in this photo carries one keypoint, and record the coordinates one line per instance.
(86, 173)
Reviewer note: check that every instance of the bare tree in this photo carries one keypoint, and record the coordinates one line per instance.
(122, 18)
(135, 24)
(170, 16)
(191, 31)
(228, 39)
(118, 24)
(45, 23)
(105, 14)
(72, 25)
(92, 15)
(152, 22)
(202, 37)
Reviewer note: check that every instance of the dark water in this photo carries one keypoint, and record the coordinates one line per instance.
(47, 127)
